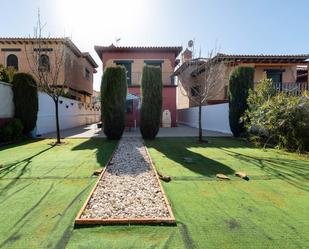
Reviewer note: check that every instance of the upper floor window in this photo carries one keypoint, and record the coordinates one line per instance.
(195, 91)
(157, 63)
(44, 64)
(128, 66)
(12, 61)
(87, 73)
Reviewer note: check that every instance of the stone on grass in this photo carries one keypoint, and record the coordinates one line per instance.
(242, 175)
(222, 176)
(97, 172)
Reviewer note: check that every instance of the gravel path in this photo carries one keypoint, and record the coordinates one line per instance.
(128, 188)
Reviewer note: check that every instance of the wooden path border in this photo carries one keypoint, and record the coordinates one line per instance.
(110, 221)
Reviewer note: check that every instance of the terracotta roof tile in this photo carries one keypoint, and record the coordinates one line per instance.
(112, 48)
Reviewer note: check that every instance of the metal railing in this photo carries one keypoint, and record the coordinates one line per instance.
(167, 78)
(291, 88)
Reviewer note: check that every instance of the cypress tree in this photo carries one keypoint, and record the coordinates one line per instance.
(151, 101)
(25, 100)
(113, 101)
(241, 80)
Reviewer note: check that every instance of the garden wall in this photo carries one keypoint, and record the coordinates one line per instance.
(214, 117)
(6, 101)
(72, 113)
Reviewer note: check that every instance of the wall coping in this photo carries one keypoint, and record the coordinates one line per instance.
(139, 86)
(5, 83)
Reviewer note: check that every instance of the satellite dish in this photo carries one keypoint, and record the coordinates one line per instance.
(190, 43)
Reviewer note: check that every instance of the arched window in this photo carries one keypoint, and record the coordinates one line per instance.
(12, 61)
(44, 64)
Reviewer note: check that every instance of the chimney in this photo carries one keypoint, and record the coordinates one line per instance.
(186, 55)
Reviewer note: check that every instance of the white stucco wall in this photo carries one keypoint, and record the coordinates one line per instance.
(214, 117)
(6, 100)
(73, 116)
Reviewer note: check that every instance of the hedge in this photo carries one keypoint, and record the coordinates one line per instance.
(241, 80)
(113, 101)
(25, 100)
(151, 108)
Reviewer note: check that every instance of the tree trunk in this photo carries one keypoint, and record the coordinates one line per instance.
(200, 132)
(56, 100)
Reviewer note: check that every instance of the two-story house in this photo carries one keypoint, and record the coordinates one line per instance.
(289, 74)
(133, 59)
(76, 70)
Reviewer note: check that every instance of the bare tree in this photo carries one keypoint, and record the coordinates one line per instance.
(202, 80)
(46, 65)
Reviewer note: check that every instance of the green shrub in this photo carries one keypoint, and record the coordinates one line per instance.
(4, 74)
(241, 80)
(25, 100)
(113, 102)
(278, 119)
(12, 131)
(151, 101)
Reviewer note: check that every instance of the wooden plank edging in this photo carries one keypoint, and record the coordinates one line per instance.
(160, 185)
(110, 221)
(77, 219)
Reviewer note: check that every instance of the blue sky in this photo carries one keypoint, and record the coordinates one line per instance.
(236, 26)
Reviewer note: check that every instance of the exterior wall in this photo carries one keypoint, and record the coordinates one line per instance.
(25, 56)
(75, 75)
(218, 94)
(288, 76)
(138, 63)
(69, 115)
(169, 103)
(214, 117)
(6, 102)
(72, 72)
(182, 99)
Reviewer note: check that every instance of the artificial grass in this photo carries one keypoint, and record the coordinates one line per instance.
(42, 187)
(268, 211)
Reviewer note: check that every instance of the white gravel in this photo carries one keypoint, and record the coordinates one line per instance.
(128, 188)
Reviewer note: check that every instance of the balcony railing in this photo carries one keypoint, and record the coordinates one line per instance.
(167, 78)
(294, 88)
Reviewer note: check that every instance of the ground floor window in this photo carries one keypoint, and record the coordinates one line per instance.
(275, 75)
(129, 106)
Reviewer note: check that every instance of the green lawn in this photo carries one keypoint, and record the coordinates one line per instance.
(43, 187)
(268, 211)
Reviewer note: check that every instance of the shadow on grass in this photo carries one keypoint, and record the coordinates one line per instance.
(19, 224)
(21, 165)
(294, 172)
(178, 149)
(103, 148)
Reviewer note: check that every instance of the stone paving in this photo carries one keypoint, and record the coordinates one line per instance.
(91, 131)
(129, 188)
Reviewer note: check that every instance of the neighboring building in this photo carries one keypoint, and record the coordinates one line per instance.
(77, 70)
(133, 59)
(96, 97)
(288, 72)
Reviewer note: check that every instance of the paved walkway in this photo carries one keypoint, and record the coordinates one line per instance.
(89, 131)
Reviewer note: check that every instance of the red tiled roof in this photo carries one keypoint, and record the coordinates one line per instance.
(296, 59)
(261, 57)
(112, 48)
